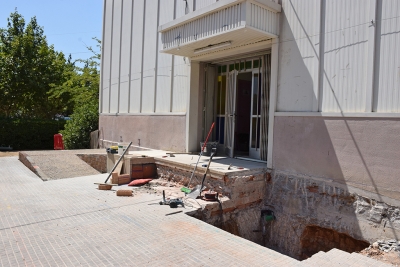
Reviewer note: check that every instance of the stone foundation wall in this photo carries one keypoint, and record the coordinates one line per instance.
(96, 161)
(241, 197)
(299, 202)
(311, 213)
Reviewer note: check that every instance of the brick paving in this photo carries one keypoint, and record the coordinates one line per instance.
(69, 222)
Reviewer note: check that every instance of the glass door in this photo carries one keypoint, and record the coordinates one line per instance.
(255, 116)
(230, 114)
(239, 107)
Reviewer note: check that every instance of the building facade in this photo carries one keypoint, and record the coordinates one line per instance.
(310, 87)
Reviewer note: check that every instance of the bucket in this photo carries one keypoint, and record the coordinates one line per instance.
(208, 148)
(122, 147)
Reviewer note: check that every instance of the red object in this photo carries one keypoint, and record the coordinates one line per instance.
(138, 182)
(205, 143)
(58, 142)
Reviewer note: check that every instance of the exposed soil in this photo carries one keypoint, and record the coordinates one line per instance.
(392, 257)
(315, 239)
(8, 154)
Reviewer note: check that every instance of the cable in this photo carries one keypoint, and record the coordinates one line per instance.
(69, 33)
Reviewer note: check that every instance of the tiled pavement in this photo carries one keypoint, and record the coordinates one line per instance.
(69, 222)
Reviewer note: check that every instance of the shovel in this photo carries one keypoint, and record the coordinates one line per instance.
(186, 190)
(196, 191)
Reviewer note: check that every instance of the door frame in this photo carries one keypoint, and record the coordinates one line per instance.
(230, 113)
(239, 66)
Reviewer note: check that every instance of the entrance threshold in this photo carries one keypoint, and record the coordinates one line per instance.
(250, 159)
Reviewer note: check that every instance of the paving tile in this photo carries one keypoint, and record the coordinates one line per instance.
(69, 222)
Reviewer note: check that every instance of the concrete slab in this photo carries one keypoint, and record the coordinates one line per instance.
(219, 164)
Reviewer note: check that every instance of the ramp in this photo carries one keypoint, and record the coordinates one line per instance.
(53, 165)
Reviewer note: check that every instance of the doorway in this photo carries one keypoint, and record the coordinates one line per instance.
(242, 107)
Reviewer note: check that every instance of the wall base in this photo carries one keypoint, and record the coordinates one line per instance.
(153, 131)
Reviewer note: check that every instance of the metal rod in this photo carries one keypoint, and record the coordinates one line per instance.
(116, 164)
(201, 153)
(172, 213)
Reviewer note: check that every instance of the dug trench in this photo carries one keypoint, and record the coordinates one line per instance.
(308, 215)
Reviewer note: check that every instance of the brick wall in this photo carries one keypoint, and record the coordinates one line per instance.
(241, 199)
(96, 161)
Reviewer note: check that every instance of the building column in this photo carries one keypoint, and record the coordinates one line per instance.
(192, 114)
(272, 99)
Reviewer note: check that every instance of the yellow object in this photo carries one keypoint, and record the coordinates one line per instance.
(114, 147)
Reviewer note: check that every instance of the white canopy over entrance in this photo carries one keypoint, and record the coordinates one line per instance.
(221, 29)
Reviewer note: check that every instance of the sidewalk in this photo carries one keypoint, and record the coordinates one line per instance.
(69, 222)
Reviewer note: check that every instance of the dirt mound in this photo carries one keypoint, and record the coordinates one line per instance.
(392, 257)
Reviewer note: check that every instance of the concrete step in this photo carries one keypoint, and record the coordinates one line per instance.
(337, 257)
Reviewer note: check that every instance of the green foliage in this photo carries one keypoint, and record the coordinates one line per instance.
(29, 134)
(83, 85)
(29, 70)
(84, 120)
(38, 84)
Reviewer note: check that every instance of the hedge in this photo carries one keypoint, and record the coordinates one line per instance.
(29, 134)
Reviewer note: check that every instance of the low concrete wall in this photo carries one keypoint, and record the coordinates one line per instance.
(156, 132)
(30, 164)
(363, 153)
(96, 161)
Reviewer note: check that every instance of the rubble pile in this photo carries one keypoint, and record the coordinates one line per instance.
(387, 246)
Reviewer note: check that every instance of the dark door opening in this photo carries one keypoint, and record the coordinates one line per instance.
(243, 109)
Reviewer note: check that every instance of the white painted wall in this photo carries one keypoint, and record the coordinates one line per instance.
(387, 97)
(115, 56)
(126, 42)
(106, 57)
(203, 3)
(345, 56)
(164, 62)
(136, 78)
(299, 56)
(182, 8)
(149, 56)
(352, 67)
(136, 57)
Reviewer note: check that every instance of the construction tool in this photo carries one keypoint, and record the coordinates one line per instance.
(173, 203)
(172, 213)
(186, 190)
(196, 192)
(115, 166)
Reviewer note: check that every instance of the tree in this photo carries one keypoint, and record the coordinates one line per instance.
(29, 70)
(83, 84)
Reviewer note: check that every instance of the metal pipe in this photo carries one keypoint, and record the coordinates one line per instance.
(116, 164)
